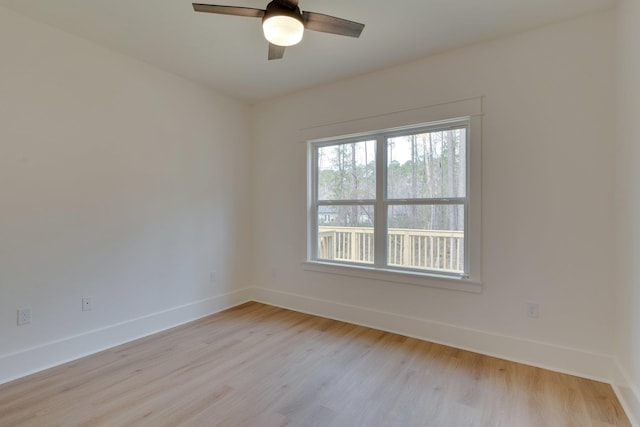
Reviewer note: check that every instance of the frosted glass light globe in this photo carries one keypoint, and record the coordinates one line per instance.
(283, 30)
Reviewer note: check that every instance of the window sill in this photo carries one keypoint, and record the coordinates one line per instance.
(387, 275)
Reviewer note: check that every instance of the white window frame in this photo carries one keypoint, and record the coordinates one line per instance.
(445, 119)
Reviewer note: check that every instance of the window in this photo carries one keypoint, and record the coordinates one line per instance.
(394, 201)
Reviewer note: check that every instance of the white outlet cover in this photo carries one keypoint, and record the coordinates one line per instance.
(24, 316)
(533, 310)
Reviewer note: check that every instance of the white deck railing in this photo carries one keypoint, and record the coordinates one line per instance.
(424, 249)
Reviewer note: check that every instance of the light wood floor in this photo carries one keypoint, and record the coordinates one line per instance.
(257, 365)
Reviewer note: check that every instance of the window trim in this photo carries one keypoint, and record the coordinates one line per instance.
(442, 116)
(394, 276)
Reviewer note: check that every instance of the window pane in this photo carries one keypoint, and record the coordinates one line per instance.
(427, 165)
(345, 233)
(347, 171)
(428, 237)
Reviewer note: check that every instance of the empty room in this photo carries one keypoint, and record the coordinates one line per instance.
(320, 213)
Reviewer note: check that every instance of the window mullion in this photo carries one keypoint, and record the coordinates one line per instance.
(380, 228)
(441, 201)
(346, 202)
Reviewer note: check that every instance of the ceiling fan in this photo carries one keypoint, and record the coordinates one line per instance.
(284, 23)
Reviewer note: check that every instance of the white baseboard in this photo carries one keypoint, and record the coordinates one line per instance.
(35, 359)
(572, 361)
(557, 358)
(628, 393)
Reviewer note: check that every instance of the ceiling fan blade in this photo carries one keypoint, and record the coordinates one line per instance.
(229, 10)
(275, 51)
(331, 24)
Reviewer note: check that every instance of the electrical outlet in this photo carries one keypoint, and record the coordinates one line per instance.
(533, 310)
(87, 304)
(24, 316)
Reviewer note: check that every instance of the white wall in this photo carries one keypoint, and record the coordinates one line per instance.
(117, 181)
(547, 197)
(628, 202)
(129, 185)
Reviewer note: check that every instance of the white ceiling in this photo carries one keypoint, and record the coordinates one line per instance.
(229, 53)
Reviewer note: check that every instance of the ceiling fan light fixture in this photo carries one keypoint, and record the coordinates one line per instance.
(284, 24)
(282, 30)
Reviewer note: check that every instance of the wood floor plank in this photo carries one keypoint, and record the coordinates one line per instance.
(258, 365)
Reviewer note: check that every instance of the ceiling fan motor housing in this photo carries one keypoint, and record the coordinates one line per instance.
(275, 8)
